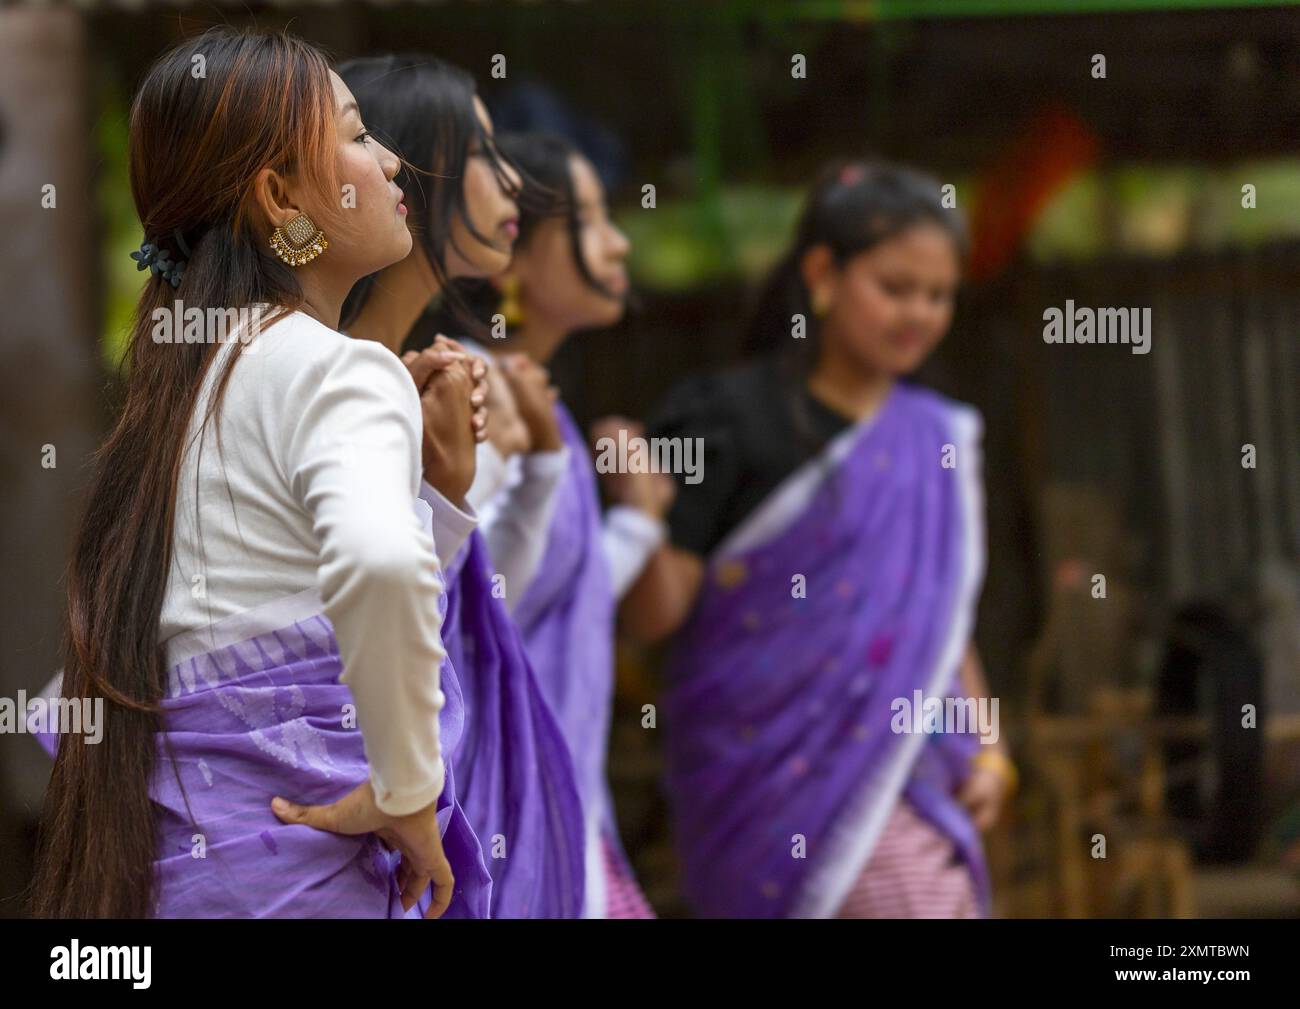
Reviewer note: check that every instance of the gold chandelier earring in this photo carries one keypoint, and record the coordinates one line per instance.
(511, 308)
(299, 241)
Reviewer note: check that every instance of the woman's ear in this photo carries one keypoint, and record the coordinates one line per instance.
(817, 269)
(500, 281)
(273, 199)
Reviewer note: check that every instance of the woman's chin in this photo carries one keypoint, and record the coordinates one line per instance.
(401, 247)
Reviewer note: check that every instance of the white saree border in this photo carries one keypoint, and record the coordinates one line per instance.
(242, 626)
(792, 496)
(853, 838)
(594, 902)
(270, 616)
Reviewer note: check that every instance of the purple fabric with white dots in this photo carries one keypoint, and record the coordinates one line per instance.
(777, 717)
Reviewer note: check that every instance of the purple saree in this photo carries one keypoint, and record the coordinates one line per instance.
(781, 764)
(566, 617)
(257, 713)
(515, 775)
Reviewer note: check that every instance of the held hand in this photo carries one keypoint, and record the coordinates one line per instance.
(530, 384)
(423, 364)
(986, 789)
(650, 493)
(479, 372)
(448, 403)
(508, 431)
(416, 836)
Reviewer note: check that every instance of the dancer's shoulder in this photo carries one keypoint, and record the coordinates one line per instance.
(944, 409)
(294, 349)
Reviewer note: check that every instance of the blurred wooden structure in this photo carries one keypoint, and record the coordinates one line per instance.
(1094, 738)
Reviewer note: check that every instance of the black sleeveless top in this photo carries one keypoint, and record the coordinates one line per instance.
(758, 426)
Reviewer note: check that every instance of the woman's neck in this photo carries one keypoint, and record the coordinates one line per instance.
(398, 298)
(846, 385)
(539, 339)
(322, 297)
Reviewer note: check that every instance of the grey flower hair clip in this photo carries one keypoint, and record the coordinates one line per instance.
(152, 256)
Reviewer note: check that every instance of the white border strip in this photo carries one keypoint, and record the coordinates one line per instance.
(794, 494)
(594, 863)
(237, 627)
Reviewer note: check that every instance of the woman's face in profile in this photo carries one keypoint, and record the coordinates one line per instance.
(546, 268)
(492, 211)
(368, 231)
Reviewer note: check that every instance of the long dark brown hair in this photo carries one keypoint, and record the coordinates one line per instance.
(210, 115)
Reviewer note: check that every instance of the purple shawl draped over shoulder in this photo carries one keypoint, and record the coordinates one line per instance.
(566, 617)
(264, 714)
(515, 773)
(781, 764)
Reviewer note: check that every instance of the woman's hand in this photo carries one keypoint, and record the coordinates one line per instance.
(416, 836)
(530, 384)
(479, 372)
(650, 493)
(993, 775)
(986, 788)
(508, 432)
(453, 393)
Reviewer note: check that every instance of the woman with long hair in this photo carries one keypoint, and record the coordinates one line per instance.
(515, 775)
(253, 593)
(567, 276)
(823, 578)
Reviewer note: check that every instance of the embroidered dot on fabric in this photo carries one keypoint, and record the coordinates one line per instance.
(730, 574)
(880, 649)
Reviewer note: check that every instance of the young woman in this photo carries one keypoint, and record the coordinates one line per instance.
(827, 566)
(567, 276)
(515, 776)
(252, 582)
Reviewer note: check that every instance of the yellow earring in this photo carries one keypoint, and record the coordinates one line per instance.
(511, 310)
(299, 241)
(821, 304)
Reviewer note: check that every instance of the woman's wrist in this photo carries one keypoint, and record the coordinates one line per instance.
(548, 439)
(996, 761)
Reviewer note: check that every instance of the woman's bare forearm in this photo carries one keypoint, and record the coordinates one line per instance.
(661, 599)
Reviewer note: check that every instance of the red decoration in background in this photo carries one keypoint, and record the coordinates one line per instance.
(1055, 147)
